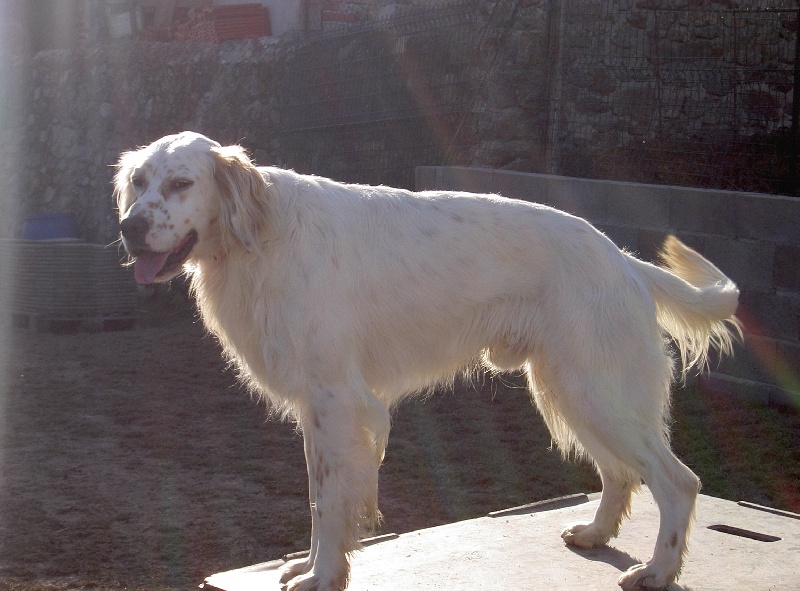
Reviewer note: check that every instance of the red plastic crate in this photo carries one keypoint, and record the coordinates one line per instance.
(221, 23)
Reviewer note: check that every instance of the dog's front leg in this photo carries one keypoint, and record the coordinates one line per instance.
(302, 566)
(340, 444)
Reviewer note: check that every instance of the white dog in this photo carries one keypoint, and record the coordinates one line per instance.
(336, 301)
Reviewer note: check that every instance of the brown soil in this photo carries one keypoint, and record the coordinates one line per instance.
(132, 459)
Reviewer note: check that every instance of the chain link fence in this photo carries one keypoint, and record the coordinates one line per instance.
(686, 92)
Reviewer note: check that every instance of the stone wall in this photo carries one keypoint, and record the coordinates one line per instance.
(674, 91)
(652, 90)
(753, 238)
(72, 112)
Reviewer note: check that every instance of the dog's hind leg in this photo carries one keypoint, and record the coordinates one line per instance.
(618, 418)
(619, 485)
(674, 488)
(584, 432)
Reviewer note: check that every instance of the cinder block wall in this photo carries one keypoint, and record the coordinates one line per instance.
(754, 238)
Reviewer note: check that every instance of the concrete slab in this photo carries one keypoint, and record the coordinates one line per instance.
(732, 546)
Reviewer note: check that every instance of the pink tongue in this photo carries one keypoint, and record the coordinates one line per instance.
(148, 265)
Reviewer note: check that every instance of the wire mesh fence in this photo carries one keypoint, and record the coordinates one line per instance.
(689, 92)
(369, 103)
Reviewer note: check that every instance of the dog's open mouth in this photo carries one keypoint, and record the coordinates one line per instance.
(150, 266)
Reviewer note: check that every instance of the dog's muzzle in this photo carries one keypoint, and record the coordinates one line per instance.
(150, 265)
(134, 231)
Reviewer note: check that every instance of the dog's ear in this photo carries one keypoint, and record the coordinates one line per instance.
(244, 199)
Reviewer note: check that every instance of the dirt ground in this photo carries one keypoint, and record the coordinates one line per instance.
(133, 460)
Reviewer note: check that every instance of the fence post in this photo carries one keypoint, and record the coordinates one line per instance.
(794, 143)
(549, 139)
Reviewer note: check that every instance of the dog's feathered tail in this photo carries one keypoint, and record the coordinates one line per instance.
(695, 303)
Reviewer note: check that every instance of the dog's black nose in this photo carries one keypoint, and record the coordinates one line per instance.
(134, 230)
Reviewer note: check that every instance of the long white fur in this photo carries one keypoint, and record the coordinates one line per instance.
(336, 301)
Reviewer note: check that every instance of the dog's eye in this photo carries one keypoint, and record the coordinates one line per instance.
(180, 184)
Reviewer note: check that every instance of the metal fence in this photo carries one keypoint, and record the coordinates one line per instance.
(371, 102)
(687, 92)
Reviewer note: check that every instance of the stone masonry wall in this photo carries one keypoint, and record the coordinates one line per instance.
(568, 88)
(677, 92)
(76, 111)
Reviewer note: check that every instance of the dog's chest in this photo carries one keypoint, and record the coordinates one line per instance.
(249, 327)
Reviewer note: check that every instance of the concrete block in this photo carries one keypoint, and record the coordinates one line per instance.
(732, 546)
(581, 197)
(650, 243)
(744, 389)
(693, 240)
(425, 178)
(639, 205)
(769, 366)
(748, 360)
(750, 263)
(518, 185)
(626, 237)
(786, 274)
(768, 217)
(698, 210)
(473, 180)
(787, 367)
(775, 315)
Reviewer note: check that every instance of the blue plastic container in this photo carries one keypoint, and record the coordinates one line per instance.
(49, 226)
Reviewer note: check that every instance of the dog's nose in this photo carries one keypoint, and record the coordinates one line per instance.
(134, 230)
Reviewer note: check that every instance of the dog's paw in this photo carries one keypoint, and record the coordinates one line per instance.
(311, 582)
(294, 569)
(585, 536)
(643, 577)
(305, 582)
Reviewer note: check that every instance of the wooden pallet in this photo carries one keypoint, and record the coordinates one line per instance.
(57, 324)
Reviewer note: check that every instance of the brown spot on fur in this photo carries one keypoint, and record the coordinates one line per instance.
(674, 541)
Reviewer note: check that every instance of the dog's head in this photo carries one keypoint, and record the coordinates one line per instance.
(184, 198)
